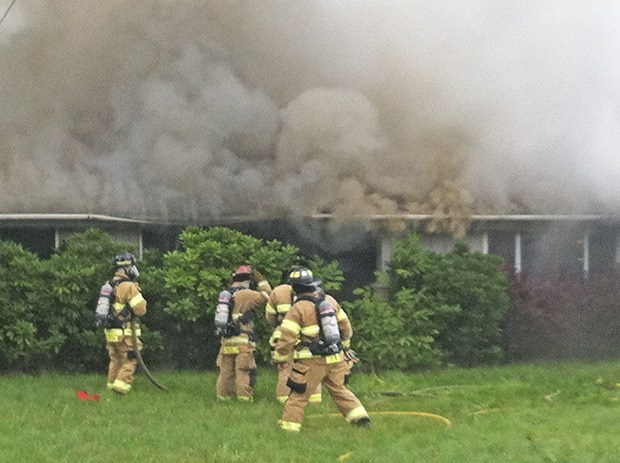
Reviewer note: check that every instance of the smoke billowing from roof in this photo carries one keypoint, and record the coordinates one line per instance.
(192, 110)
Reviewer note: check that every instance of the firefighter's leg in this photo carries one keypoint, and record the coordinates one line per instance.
(225, 386)
(348, 404)
(246, 375)
(347, 376)
(316, 397)
(308, 373)
(116, 360)
(282, 390)
(125, 376)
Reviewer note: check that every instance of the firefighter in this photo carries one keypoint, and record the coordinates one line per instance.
(125, 302)
(280, 302)
(234, 322)
(311, 334)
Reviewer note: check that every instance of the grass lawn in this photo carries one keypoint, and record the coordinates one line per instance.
(562, 412)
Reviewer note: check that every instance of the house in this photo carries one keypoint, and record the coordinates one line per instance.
(43, 233)
(565, 245)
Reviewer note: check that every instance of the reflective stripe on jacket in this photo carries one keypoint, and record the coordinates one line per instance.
(280, 302)
(117, 334)
(300, 327)
(246, 300)
(127, 293)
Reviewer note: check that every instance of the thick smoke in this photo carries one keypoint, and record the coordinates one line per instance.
(196, 110)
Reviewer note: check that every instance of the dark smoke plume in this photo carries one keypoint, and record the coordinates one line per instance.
(196, 110)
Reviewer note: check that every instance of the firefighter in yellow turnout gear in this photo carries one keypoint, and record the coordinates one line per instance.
(311, 335)
(126, 301)
(234, 322)
(280, 302)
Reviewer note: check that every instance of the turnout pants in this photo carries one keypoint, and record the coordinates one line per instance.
(311, 372)
(283, 391)
(123, 363)
(237, 374)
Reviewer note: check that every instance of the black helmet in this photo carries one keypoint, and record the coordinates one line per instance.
(285, 274)
(127, 261)
(302, 279)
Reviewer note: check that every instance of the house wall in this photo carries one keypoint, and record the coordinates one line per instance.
(44, 239)
(560, 249)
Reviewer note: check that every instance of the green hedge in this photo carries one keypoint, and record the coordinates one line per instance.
(47, 305)
(432, 308)
(428, 309)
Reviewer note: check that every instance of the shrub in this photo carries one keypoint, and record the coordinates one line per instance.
(195, 275)
(47, 306)
(396, 333)
(24, 341)
(452, 303)
(564, 318)
(76, 272)
(474, 282)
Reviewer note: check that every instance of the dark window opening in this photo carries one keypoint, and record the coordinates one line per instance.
(41, 241)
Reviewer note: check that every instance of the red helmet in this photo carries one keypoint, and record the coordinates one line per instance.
(243, 272)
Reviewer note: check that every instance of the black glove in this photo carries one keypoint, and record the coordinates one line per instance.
(231, 329)
(247, 317)
(101, 321)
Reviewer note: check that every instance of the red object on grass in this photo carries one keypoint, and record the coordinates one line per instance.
(83, 395)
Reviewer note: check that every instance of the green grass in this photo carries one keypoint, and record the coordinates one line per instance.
(565, 412)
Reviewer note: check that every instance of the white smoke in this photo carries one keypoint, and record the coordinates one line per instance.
(192, 110)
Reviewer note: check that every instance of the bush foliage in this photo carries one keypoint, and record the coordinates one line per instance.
(47, 305)
(22, 309)
(195, 274)
(426, 309)
(564, 318)
(432, 308)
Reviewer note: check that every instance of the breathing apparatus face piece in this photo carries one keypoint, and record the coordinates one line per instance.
(132, 272)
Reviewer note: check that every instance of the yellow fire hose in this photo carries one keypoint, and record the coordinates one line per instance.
(443, 419)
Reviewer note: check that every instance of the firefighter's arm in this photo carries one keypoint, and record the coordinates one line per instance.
(290, 330)
(346, 333)
(262, 285)
(264, 288)
(136, 302)
(346, 330)
(271, 315)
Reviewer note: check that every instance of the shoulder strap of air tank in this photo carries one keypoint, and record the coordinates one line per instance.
(231, 303)
(114, 283)
(232, 290)
(317, 301)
